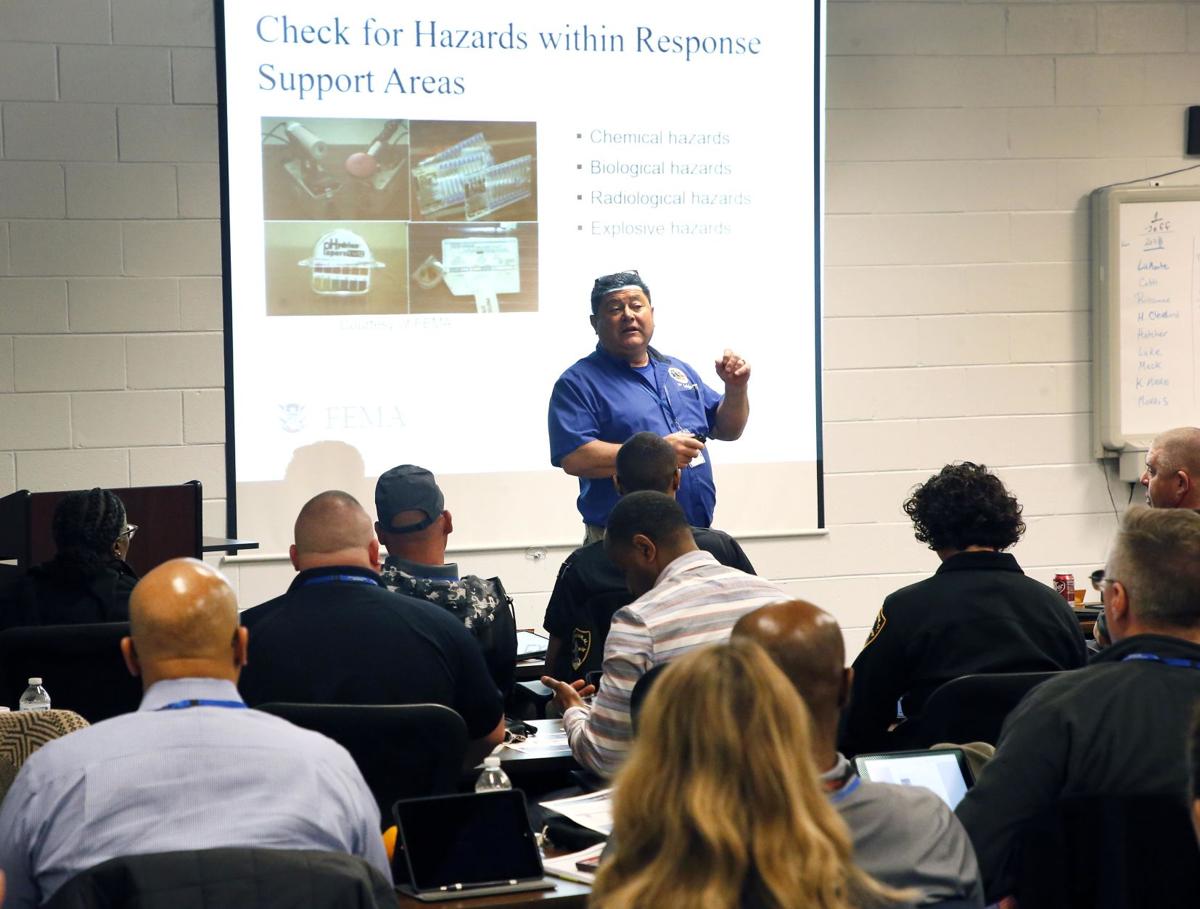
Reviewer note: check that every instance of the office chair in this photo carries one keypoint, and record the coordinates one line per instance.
(970, 708)
(1110, 852)
(641, 688)
(239, 878)
(403, 750)
(80, 665)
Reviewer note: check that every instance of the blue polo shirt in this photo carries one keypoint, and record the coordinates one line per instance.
(603, 398)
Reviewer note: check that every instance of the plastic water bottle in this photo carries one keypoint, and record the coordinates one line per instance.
(35, 697)
(493, 778)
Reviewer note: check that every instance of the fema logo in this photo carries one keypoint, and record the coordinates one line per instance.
(291, 417)
(681, 378)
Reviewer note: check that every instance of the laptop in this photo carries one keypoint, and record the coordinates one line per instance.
(945, 771)
(475, 844)
(531, 645)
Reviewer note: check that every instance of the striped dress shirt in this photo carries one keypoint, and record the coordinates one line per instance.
(695, 602)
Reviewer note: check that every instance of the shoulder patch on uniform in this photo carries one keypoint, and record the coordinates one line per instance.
(880, 621)
(581, 647)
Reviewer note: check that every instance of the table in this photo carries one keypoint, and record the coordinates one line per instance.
(565, 895)
(530, 670)
(550, 758)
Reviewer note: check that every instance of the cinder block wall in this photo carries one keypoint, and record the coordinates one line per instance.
(963, 138)
(110, 300)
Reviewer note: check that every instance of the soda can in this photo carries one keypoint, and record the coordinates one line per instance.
(1065, 585)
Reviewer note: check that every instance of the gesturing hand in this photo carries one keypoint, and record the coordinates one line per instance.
(733, 370)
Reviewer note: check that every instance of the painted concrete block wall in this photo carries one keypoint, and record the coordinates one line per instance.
(110, 299)
(963, 138)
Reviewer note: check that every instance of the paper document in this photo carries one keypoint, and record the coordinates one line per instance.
(592, 810)
(564, 865)
(546, 742)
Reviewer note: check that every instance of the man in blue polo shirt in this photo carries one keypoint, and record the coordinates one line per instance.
(625, 386)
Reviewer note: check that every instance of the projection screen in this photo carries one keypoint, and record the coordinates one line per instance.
(418, 196)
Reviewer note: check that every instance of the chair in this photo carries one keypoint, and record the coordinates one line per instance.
(81, 666)
(403, 750)
(970, 708)
(1105, 852)
(641, 688)
(22, 733)
(229, 879)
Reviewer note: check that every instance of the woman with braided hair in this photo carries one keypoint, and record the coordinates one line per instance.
(88, 579)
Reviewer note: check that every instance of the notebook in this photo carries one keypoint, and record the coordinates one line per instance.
(945, 771)
(475, 844)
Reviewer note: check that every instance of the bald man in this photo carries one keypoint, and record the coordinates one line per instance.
(339, 636)
(903, 835)
(1172, 475)
(191, 769)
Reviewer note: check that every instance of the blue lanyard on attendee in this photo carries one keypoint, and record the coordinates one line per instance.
(202, 702)
(838, 794)
(1178, 662)
(331, 578)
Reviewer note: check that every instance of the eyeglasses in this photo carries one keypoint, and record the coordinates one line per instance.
(129, 531)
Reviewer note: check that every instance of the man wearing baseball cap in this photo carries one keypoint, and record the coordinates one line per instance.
(414, 526)
(626, 386)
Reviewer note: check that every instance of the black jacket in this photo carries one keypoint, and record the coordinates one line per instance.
(47, 595)
(1118, 727)
(977, 613)
(338, 636)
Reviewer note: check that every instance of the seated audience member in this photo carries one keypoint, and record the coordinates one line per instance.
(339, 636)
(684, 599)
(414, 525)
(977, 613)
(720, 804)
(904, 836)
(590, 588)
(191, 769)
(1117, 727)
(1195, 754)
(87, 580)
(1172, 474)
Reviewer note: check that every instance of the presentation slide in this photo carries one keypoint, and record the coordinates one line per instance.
(421, 195)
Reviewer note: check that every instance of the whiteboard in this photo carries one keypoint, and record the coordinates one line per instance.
(1146, 303)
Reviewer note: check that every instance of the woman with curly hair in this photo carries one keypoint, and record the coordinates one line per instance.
(720, 806)
(88, 579)
(978, 613)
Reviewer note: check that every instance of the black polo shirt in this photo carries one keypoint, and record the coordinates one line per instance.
(338, 636)
(589, 589)
(978, 613)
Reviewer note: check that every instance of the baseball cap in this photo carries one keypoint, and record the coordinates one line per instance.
(408, 488)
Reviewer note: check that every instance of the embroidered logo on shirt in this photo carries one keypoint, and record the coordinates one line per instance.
(880, 621)
(581, 646)
(681, 378)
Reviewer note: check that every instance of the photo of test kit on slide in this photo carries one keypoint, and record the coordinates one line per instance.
(473, 170)
(333, 169)
(336, 268)
(465, 268)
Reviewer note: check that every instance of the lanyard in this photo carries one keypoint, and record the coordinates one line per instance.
(202, 702)
(333, 578)
(660, 390)
(1177, 662)
(838, 794)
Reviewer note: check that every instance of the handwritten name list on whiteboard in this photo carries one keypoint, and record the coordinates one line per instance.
(1160, 315)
